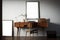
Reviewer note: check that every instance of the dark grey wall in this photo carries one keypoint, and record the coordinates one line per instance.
(51, 10)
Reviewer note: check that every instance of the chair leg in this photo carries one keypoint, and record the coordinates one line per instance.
(30, 36)
(26, 36)
(37, 35)
(33, 36)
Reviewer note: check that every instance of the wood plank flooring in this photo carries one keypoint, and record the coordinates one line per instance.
(28, 38)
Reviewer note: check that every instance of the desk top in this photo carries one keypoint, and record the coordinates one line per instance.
(42, 22)
(31, 24)
(23, 24)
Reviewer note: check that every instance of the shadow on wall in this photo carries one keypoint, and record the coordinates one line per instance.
(54, 27)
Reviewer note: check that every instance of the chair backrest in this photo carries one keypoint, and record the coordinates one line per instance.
(42, 22)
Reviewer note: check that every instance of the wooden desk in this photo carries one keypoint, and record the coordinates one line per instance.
(20, 25)
(31, 24)
(23, 24)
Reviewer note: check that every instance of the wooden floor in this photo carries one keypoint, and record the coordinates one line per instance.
(29, 38)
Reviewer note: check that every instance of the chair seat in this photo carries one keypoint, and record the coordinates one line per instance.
(34, 31)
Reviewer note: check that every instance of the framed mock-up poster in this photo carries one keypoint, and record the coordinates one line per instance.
(33, 11)
(7, 26)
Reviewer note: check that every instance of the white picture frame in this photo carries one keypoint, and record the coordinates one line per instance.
(7, 26)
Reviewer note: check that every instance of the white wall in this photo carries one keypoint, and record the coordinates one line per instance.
(48, 9)
(12, 9)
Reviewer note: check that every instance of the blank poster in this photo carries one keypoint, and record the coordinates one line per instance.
(32, 9)
(6, 28)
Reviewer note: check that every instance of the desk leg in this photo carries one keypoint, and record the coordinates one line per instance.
(17, 31)
(43, 30)
(30, 36)
(26, 36)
